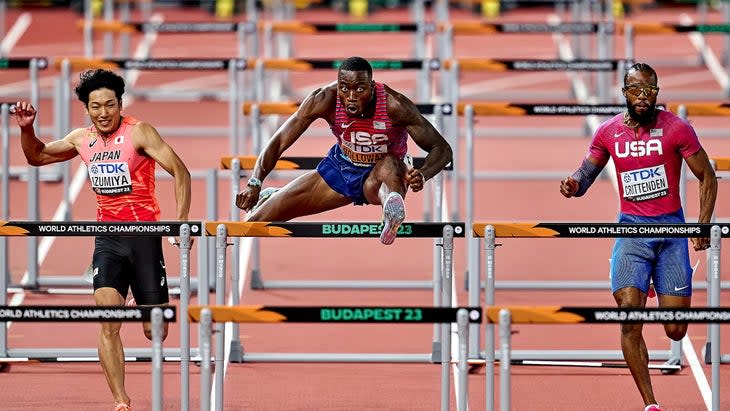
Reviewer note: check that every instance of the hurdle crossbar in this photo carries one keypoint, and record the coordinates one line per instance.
(491, 231)
(208, 315)
(440, 283)
(183, 230)
(54, 313)
(294, 163)
(508, 315)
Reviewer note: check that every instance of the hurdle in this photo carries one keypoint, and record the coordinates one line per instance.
(423, 82)
(82, 313)
(239, 164)
(508, 315)
(232, 66)
(441, 282)
(124, 27)
(33, 65)
(698, 30)
(448, 30)
(33, 175)
(491, 231)
(184, 230)
(209, 315)
(279, 31)
(454, 67)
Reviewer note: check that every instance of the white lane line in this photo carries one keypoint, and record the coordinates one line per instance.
(709, 57)
(15, 33)
(697, 372)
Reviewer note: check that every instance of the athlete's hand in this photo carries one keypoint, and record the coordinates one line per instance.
(700, 243)
(24, 114)
(568, 187)
(246, 199)
(415, 179)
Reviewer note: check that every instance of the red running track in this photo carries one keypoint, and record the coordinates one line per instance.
(262, 386)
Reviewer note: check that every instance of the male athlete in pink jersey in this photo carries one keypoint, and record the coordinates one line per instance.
(120, 154)
(647, 147)
(371, 123)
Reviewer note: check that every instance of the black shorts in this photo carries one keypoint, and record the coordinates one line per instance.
(137, 262)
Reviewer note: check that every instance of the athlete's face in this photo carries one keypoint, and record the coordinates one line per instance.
(355, 90)
(641, 92)
(104, 110)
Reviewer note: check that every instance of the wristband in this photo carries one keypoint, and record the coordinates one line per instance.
(254, 182)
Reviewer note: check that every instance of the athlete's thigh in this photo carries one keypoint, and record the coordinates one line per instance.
(110, 264)
(149, 284)
(308, 194)
(390, 171)
(673, 273)
(632, 264)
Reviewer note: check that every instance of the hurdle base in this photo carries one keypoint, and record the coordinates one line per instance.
(170, 354)
(588, 355)
(256, 282)
(436, 352)
(338, 358)
(672, 361)
(236, 352)
(343, 284)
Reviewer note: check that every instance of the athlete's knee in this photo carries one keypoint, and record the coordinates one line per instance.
(675, 331)
(148, 333)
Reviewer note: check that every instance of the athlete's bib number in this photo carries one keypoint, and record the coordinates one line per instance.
(645, 183)
(110, 178)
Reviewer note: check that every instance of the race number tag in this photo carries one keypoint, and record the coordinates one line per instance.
(645, 183)
(110, 178)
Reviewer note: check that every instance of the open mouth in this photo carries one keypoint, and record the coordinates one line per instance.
(352, 109)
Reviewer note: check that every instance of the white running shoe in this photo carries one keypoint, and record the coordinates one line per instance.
(394, 212)
(264, 195)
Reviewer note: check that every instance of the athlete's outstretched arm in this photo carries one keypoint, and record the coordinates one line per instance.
(405, 113)
(700, 165)
(315, 105)
(147, 138)
(38, 153)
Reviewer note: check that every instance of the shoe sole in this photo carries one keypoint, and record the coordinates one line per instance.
(394, 212)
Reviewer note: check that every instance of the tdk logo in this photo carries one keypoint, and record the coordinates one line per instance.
(643, 174)
(110, 168)
(638, 148)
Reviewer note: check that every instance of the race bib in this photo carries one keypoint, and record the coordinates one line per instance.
(110, 178)
(645, 183)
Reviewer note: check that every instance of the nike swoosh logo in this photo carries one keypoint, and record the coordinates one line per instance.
(680, 288)
(348, 124)
(615, 135)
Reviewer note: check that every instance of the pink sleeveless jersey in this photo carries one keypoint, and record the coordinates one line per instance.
(366, 140)
(648, 161)
(123, 180)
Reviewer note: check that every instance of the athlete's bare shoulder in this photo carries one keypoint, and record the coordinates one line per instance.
(320, 103)
(401, 109)
(76, 136)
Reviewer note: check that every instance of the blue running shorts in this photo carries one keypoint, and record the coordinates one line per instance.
(636, 261)
(343, 176)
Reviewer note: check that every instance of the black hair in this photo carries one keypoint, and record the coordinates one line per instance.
(357, 64)
(91, 80)
(640, 67)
